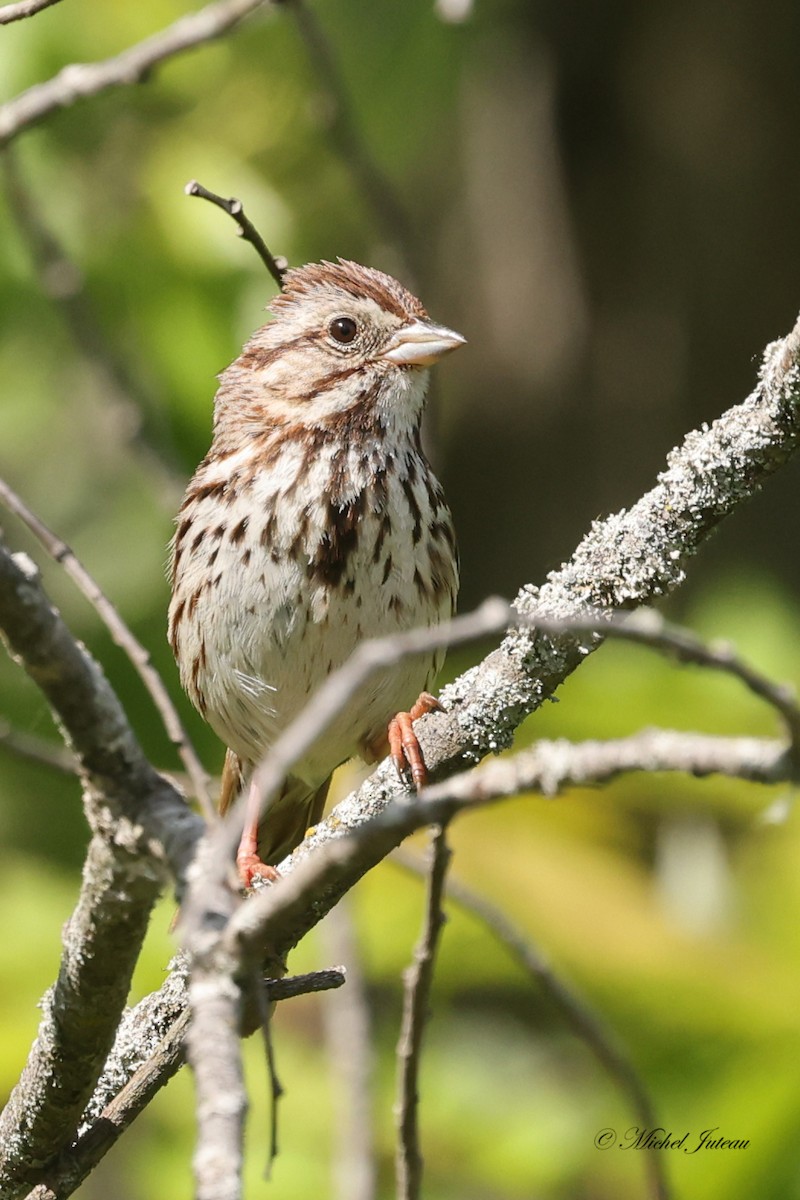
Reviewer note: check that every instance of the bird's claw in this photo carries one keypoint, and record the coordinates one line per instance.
(403, 742)
(253, 873)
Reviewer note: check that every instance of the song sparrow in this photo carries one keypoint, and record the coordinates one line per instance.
(313, 522)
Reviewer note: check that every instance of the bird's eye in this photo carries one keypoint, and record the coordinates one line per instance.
(343, 329)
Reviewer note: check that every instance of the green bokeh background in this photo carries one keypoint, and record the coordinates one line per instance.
(604, 199)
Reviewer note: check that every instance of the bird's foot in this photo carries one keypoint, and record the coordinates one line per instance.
(403, 742)
(252, 871)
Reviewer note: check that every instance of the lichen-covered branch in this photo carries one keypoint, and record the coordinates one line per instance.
(624, 562)
(141, 826)
(127, 799)
(124, 638)
(148, 1050)
(342, 849)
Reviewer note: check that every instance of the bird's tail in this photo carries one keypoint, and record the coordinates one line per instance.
(294, 810)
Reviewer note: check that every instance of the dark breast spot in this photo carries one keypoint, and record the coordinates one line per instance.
(269, 530)
(413, 508)
(183, 529)
(175, 626)
(238, 531)
(202, 491)
(383, 532)
(327, 564)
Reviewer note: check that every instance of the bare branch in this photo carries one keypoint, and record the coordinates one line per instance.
(133, 65)
(127, 799)
(351, 840)
(648, 628)
(417, 984)
(625, 561)
(246, 229)
(122, 635)
(578, 1014)
(214, 1051)
(140, 824)
(550, 767)
(645, 628)
(330, 979)
(22, 9)
(124, 1092)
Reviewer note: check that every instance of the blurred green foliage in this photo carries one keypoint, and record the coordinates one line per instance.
(601, 198)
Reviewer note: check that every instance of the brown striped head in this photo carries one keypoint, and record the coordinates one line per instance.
(341, 335)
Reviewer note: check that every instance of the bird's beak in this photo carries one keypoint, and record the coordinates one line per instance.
(421, 344)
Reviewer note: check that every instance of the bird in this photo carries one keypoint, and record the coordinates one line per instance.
(314, 522)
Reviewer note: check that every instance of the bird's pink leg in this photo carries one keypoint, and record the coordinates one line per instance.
(403, 743)
(248, 862)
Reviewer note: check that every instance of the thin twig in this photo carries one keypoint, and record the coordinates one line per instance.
(372, 184)
(246, 228)
(37, 749)
(136, 652)
(648, 628)
(22, 9)
(303, 985)
(133, 65)
(575, 1010)
(264, 997)
(417, 983)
